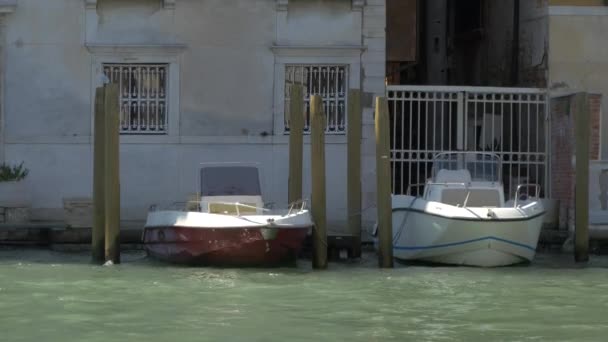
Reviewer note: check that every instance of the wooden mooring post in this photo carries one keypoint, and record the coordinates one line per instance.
(296, 142)
(105, 241)
(98, 234)
(317, 165)
(581, 196)
(112, 183)
(383, 176)
(353, 190)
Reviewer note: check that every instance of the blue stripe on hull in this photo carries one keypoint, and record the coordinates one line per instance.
(416, 248)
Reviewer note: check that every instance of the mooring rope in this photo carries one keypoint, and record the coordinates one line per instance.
(316, 237)
(402, 226)
(363, 210)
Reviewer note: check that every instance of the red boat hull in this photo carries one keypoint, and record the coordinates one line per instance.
(241, 247)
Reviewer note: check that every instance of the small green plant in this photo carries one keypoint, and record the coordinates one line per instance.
(12, 173)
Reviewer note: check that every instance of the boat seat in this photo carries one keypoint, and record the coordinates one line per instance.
(249, 205)
(477, 197)
(453, 176)
(230, 209)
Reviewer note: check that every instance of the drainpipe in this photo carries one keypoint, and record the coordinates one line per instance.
(515, 52)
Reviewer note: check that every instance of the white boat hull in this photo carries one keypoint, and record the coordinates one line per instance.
(486, 237)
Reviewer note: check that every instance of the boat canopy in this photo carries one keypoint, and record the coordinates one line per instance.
(472, 166)
(232, 180)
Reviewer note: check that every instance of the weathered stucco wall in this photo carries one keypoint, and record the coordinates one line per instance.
(496, 58)
(47, 77)
(373, 74)
(578, 56)
(533, 44)
(306, 24)
(484, 39)
(226, 67)
(228, 97)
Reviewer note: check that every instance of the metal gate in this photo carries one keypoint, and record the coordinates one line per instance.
(426, 120)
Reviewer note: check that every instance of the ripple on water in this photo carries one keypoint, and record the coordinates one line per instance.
(68, 299)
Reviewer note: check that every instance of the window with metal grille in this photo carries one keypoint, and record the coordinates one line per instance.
(143, 96)
(329, 81)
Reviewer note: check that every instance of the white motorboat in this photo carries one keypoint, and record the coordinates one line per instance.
(462, 217)
(230, 224)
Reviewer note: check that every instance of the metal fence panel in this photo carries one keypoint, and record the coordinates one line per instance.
(426, 120)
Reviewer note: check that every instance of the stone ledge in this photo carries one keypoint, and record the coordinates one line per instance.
(16, 215)
(283, 5)
(318, 50)
(92, 4)
(54, 233)
(578, 11)
(156, 49)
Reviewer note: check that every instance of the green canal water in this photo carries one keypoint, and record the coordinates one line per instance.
(51, 296)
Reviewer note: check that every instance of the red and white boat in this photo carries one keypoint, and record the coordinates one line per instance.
(229, 226)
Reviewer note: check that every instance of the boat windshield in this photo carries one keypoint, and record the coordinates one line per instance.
(480, 166)
(230, 181)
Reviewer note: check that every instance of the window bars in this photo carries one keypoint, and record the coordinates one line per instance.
(328, 80)
(143, 96)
